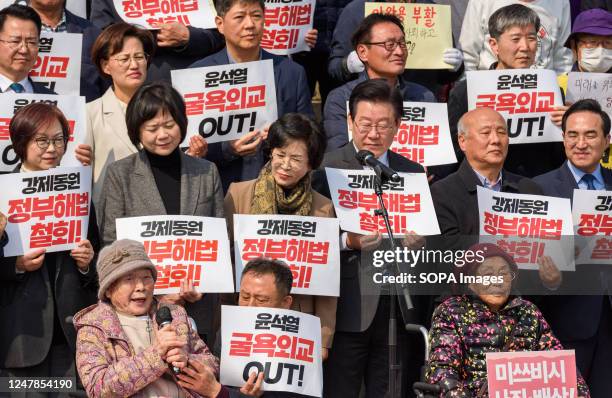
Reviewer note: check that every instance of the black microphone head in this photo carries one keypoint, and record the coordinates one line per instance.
(163, 315)
(362, 155)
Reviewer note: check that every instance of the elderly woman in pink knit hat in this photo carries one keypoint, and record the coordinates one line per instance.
(121, 351)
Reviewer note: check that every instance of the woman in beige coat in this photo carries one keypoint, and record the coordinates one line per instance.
(295, 147)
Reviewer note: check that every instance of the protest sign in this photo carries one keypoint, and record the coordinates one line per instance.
(224, 102)
(284, 344)
(183, 247)
(58, 65)
(525, 97)
(286, 24)
(151, 14)
(592, 213)
(532, 374)
(427, 29)
(46, 209)
(408, 203)
(527, 227)
(309, 245)
(597, 86)
(77, 7)
(72, 107)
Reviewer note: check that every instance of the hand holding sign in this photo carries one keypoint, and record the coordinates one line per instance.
(549, 273)
(252, 387)
(311, 38)
(83, 254)
(246, 145)
(83, 154)
(198, 147)
(363, 242)
(172, 34)
(31, 260)
(556, 116)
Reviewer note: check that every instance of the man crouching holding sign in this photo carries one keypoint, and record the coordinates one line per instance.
(288, 342)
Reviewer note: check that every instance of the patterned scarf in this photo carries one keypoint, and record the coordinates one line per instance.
(270, 198)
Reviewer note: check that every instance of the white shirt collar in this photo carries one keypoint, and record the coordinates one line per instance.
(5, 83)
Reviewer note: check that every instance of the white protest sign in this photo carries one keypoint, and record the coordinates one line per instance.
(408, 203)
(224, 102)
(423, 135)
(528, 227)
(286, 26)
(284, 344)
(309, 245)
(592, 212)
(58, 65)
(597, 86)
(151, 14)
(71, 106)
(183, 247)
(77, 7)
(46, 209)
(525, 97)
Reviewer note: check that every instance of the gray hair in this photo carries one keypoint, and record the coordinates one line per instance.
(461, 126)
(512, 15)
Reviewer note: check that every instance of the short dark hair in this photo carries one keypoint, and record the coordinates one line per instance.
(223, 6)
(512, 15)
(111, 40)
(379, 91)
(148, 100)
(283, 278)
(587, 105)
(20, 12)
(363, 34)
(296, 126)
(29, 120)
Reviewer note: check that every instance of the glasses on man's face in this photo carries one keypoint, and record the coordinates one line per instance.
(125, 60)
(294, 161)
(44, 142)
(389, 45)
(381, 128)
(14, 44)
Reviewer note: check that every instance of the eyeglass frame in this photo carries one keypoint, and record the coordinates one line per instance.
(123, 63)
(377, 127)
(48, 141)
(293, 163)
(401, 43)
(29, 45)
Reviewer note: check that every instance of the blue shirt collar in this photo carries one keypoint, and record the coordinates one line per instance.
(578, 174)
(487, 184)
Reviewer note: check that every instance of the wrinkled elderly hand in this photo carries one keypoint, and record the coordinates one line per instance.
(198, 147)
(84, 154)
(413, 241)
(199, 378)
(363, 242)
(177, 357)
(311, 37)
(172, 34)
(31, 260)
(549, 273)
(83, 254)
(252, 387)
(166, 339)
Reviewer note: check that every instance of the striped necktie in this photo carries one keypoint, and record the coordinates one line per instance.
(589, 179)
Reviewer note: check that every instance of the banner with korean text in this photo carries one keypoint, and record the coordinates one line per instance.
(78, 7)
(525, 97)
(227, 101)
(592, 212)
(285, 345)
(532, 374)
(71, 106)
(58, 65)
(309, 245)
(183, 247)
(427, 28)
(597, 86)
(286, 23)
(408, 203)
(46, 209)
(151, 14)
(528, 227)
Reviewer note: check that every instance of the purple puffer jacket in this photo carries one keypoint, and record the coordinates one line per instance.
(109, 366)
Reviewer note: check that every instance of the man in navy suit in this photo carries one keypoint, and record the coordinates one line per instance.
(242, 24)
(56, 18)
(584, 322)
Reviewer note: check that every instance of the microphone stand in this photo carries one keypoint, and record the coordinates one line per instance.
(401, 290)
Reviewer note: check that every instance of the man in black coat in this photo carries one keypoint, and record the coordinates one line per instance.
(360, 352)
(585, 138)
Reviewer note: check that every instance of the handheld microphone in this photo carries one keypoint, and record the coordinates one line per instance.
(163, 317)
(367, 158)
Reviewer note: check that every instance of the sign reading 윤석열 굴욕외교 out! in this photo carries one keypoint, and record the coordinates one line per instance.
(183, 247)
(592, 212)
(151, 14)
(224, 102)
(286, 23)
(408, 203)
(525, 97)
(46, 209)
(528, 227)
(309, 245)
(427, 29)
(71, 106)
(285, 345)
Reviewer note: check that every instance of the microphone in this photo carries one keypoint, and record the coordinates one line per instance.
(163, 317)
(367, 158)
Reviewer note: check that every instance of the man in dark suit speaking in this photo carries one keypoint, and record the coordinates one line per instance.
(584, 322)
(359, 352)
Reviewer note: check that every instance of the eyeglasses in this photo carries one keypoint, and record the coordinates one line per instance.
(125, 60)
(14, 44)
(381, 128)
(604, 42)
(390, 45)
(293, 161)
(43, 143)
